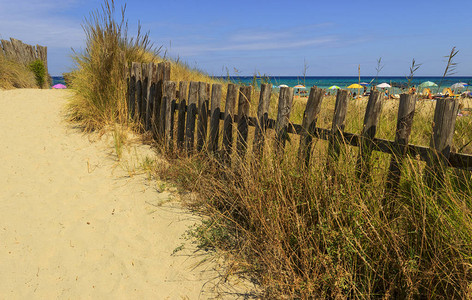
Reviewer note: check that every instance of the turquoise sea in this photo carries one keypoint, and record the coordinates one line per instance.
(344, 81)
(341, 81)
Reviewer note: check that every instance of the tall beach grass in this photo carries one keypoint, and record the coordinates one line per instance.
(15, 75)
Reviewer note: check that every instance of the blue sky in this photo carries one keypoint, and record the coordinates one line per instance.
(266, 37)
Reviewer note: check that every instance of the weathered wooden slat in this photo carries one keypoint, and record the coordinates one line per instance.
(406, 111)
(145, 96)
(445, 115)
(371, 120)
(152, 97)
(169, 97)
(202, 122)
(230, 104)
(214, 118)
(182, 107)
(243, 119)
(132, 92)
(262, 119)
(191, 114)
(156, 111)
(310, 116)
(152, 74)
(139, 91)
(337, 127)
(283, 119)
(166, 73)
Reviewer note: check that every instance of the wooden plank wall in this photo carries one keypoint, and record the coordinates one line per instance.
(17, 50)
(25, 54)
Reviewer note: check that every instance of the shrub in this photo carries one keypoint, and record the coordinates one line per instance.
(39, 71)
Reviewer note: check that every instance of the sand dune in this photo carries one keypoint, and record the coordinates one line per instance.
(73, 225)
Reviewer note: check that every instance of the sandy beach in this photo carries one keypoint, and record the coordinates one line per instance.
(74, 225)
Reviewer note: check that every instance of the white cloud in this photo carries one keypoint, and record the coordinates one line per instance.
(251, 40)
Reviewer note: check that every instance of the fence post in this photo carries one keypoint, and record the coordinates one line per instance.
(262, 119)
(156, 110)
(183, 92)
(310, 116)
(144, 100)
(230, 104)
(151, 85)
(445, 115)
(191, 113)
(406, 111)
(202, 124)
(243, 112)
(215, 118)
(169, 96)
(337, 127)
(283, 119)
(371, 120)
(139, 91)
(132, 91)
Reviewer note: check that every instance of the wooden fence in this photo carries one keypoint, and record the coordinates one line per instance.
(161, 108)
(23, 53)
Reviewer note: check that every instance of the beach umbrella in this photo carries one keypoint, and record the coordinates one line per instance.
(384, 85)
(299, 86)
(334, 87)
(459, 85)
(428, 84)
(355, 86)
(59, 86)
(283, 85)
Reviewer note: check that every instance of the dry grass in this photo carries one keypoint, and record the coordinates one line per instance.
(15, 75)
(318, 233)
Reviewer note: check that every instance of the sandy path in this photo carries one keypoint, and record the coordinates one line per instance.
(73, 226)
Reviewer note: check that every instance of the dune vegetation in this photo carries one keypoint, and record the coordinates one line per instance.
(15, 75)
(314, 232)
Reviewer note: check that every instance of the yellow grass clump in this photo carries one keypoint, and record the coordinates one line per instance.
(15, 75)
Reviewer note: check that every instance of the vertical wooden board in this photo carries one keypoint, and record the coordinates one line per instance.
(371, 120)
(163, 114)
(406, 111)
(169, 97)
(156, 112)
(144, 86)
(339, 122)
(191, 114)
(152, 96)
(215, 118)
(230, 104)
(310, 116)
(202, 124)
(166, 71)
(445, 115)
(151, 70)
(283, 118)
(139, 91)
(183, 92)
(262, 119)
(243, 117)
(132, 91)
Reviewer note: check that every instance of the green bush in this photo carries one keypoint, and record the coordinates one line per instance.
(37, 67)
